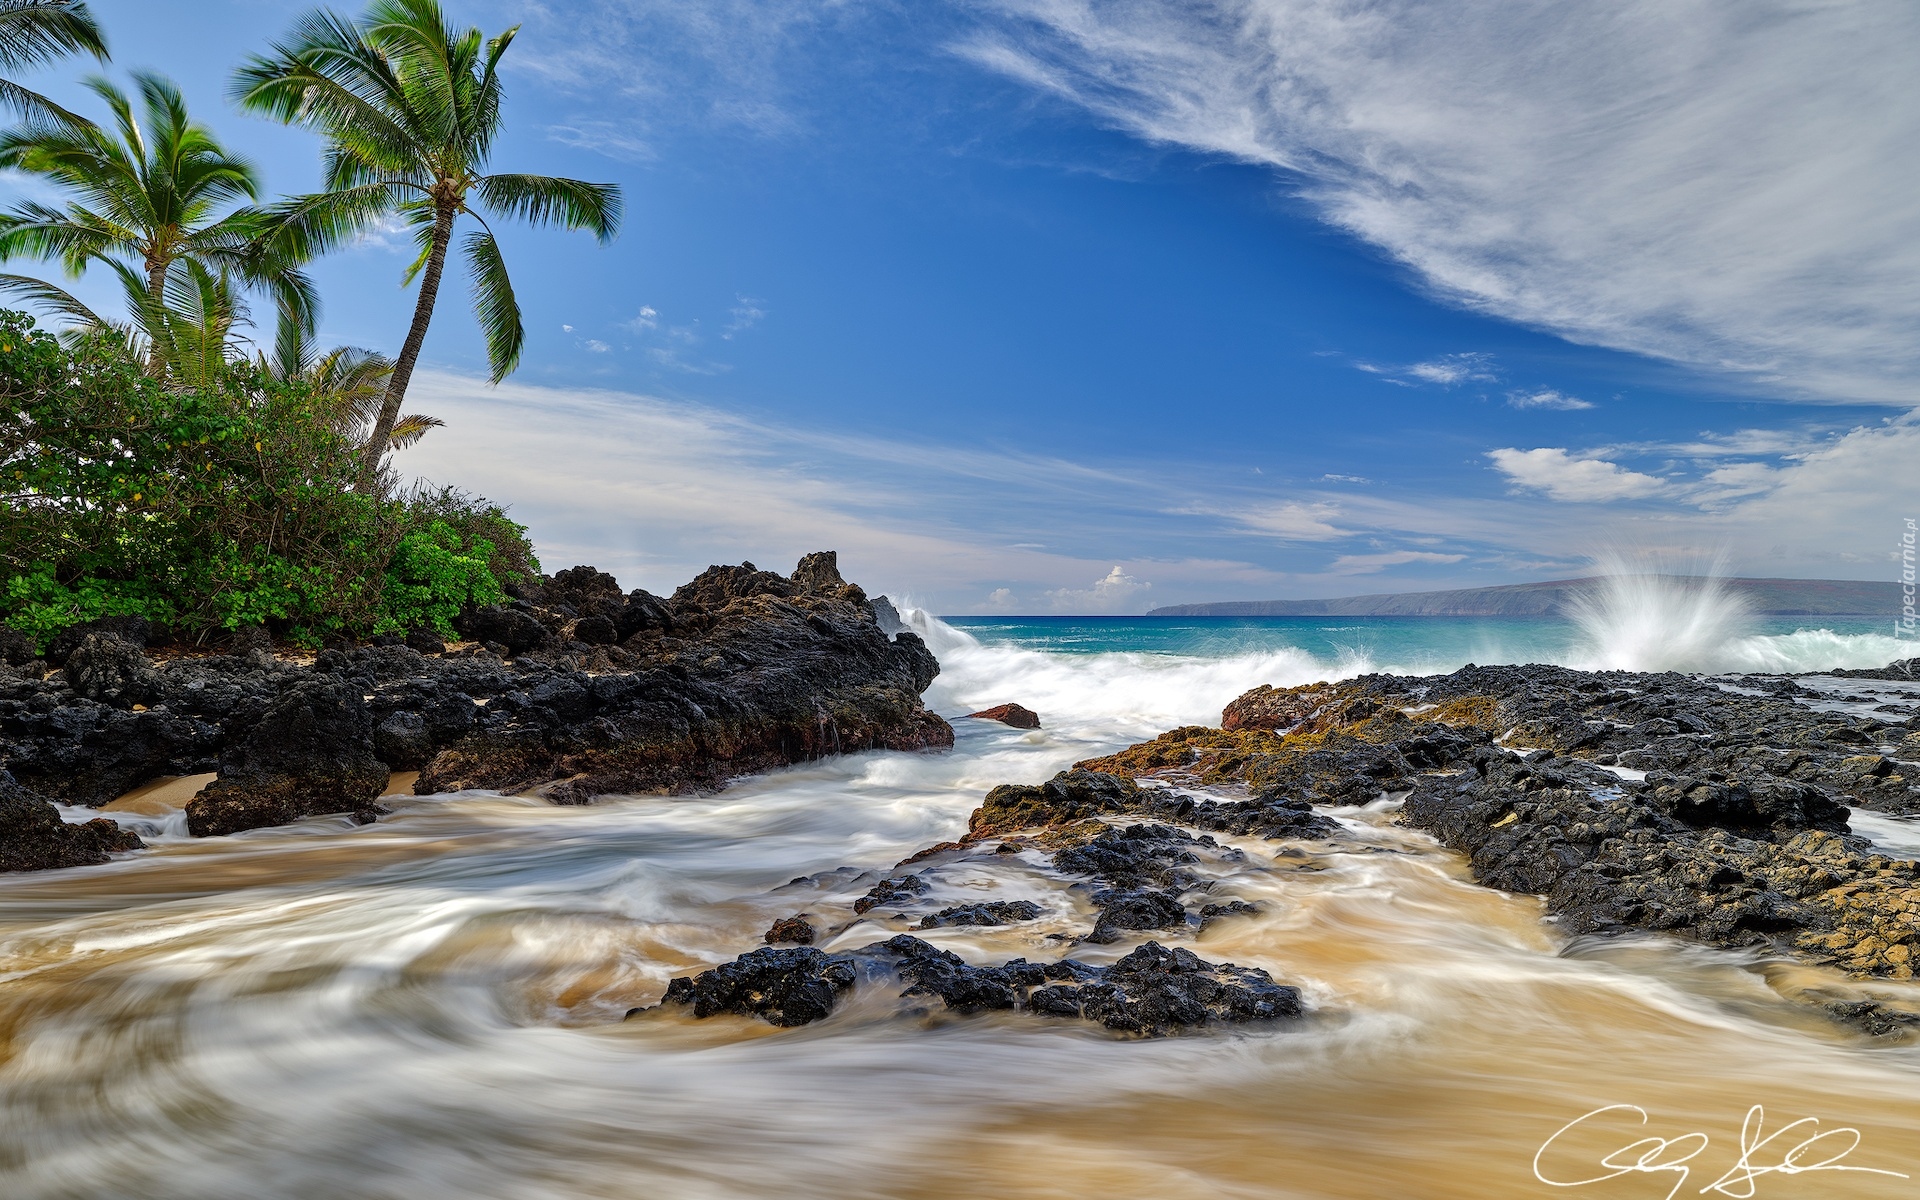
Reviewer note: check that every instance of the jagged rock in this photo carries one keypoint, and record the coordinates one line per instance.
(1068, 797)
(16, 648)
(887, 615)
(892, 891)
(644, 612)
(137, 630)
(1155, 990)
(517, 630)
(110, 669)
(1010, 714)
(992, 912)
(1137, 856)
(596, 630)
(1274, 708)
(584, 589)
(783, 987)
(403, 741)
(1152, 992)
(795, 930)
(743, 672)
(819, 572)
(426, 641)
(250, 641)
(1122, 912)
(34, 838)
(1209, 913)
(310, 753)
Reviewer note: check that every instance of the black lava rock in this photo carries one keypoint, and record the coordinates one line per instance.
(993, 912)
(311, 752)
(783, 987)
(892, 891)
(34, 838)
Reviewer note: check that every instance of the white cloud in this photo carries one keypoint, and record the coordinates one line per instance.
(1453, 369)
(618, 141)
(1725, 183)
(627, 482)
(746, 314)
(1577, 480)
(1345, 479)
(1546, 398)
(648, 318)
(1370, 564)
(1001, 600)
(1289, 521)
(1109, 594)
(596, 346)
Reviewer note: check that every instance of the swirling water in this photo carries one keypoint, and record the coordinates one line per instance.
(430, 1006)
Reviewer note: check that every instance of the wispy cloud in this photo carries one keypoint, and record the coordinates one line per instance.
(1373, 564)
(621, 142)
(745, 315)
(1546, 398)
(1561, 476)
(1455, 369)
(1620, 196)
(1288, 520)
(1449, 370)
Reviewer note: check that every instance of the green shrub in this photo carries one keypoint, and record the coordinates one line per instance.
(433, 574)
(215, 508)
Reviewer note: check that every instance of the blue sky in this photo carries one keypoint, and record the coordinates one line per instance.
(1045, 306)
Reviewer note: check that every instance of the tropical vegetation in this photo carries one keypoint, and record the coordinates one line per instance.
(155, 461)
(36, 32)
(411, 108)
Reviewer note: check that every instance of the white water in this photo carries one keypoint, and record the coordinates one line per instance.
(1644, 622)
(430, 1006)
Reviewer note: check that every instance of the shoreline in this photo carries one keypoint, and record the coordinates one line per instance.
(575, 691)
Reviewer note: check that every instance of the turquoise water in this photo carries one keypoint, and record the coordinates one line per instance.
(1406, 642)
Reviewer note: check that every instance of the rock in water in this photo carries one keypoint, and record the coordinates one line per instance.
(784, 987)
(1010, 714)
(992, 912)
(310, 753)
(899, 889)
(34, 838)
(793, 931)
(1152, 991)
(1155, 990)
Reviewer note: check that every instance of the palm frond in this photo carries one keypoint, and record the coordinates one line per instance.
(494, 304)
(546, 200)
(51, 297)
(35, 32)
(410, 429)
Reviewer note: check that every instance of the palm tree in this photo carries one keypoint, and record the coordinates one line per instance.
(353, 382)
(33, 32)
(146, 199)
(188, 336)
(410, 108)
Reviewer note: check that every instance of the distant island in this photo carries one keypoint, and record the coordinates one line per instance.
(1555, 598)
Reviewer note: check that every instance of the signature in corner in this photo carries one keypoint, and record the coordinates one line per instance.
(1761, 1153)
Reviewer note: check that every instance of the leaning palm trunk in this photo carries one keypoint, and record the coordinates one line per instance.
(377, 441)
